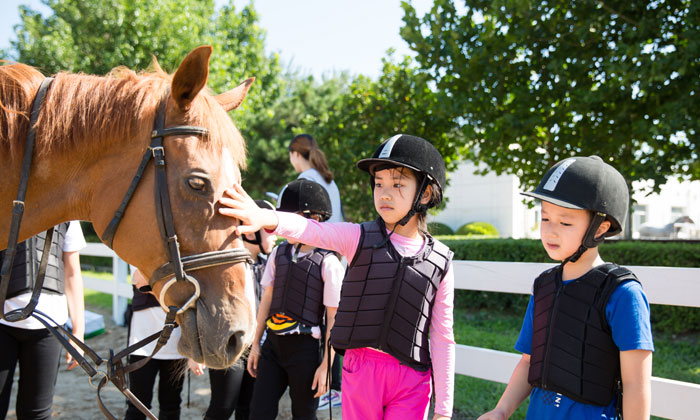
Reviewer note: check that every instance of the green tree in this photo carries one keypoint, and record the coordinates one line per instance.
(302, 106)
(94, 36)
(400, 101)
(537, 81)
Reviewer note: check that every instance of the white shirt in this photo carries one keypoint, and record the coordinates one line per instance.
(313, 175)
(51, 304)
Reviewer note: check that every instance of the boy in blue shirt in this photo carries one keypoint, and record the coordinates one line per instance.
(586, 337)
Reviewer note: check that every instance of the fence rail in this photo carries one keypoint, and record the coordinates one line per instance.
(663, 285)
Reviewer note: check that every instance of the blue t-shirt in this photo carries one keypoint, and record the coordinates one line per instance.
(627, 314)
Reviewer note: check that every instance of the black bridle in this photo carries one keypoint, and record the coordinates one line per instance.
(175, 270)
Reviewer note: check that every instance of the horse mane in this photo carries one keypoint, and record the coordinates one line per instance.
(80, 109)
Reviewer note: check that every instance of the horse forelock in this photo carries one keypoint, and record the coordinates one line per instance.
(82, 109)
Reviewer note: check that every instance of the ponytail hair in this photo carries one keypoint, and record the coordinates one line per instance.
(307, 147)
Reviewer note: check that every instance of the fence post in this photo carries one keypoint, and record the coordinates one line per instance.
(120, 269)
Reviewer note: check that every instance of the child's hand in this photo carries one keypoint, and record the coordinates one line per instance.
(237, 203)
(196, 368)
(320, 383)
(494, 414)
(253, 358)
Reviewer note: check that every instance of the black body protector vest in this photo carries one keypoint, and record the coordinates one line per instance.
(386, 299)
(573, 351)
(26, 264)
(298, 288)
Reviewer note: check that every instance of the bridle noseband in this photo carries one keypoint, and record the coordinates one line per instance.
(176, 267)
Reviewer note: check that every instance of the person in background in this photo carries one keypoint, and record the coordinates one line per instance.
(394, 321)
(28, 342)
(586, 337)
(145, 318)
(301, 290)
(309, 162)
(232, 388)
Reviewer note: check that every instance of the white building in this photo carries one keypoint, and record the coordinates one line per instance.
(496, 199)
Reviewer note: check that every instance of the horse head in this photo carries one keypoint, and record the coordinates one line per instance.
(220, 324)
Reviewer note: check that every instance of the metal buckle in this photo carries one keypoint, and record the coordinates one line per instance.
(190, 302)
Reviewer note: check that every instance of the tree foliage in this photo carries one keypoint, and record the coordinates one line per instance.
(400, 101)
(537, 81)
(95, 36)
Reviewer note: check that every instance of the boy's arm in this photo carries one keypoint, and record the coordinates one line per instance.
(517, 390)
(263, 313)
(320, 383)
(635, 366)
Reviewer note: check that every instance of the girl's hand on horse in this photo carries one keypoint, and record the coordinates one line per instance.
(196, 368)
(253, 358)
(237, 203)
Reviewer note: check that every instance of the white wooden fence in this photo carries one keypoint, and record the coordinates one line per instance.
(663, 285)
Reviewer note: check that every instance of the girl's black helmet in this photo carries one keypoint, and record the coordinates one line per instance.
(305, 196)
(412, 152)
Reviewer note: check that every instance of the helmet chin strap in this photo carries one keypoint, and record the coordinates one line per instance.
(589, 239)
(416, 208)
(257, 241)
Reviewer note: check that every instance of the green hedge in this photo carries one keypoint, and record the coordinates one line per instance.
(478, 229)
(672, 319)
(437, 228)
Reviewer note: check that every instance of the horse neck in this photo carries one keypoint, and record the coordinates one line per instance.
(68, 183)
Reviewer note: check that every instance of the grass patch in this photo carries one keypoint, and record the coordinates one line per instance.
(676, 357)
(95, 298)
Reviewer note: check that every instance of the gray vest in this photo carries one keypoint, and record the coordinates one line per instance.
(26, 264)
(386, 300)
(298, 288)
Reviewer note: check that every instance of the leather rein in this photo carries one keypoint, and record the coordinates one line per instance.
(175, 270)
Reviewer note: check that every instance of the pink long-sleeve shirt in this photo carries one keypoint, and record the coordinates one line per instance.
(344, 238)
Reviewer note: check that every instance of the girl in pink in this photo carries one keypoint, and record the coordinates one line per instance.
(394, 319)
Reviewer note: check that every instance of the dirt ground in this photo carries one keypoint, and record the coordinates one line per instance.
(75, 399)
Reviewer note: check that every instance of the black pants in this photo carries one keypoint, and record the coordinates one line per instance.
(286, 360)
(39, 354)
(141, 382)
(231, 389)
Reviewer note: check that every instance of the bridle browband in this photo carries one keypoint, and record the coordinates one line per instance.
(176, 267)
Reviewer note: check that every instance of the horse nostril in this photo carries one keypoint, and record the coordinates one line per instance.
(235, 343)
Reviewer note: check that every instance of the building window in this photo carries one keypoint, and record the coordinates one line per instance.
(639, 215)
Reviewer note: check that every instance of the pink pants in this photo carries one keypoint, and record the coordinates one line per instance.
(376, 386)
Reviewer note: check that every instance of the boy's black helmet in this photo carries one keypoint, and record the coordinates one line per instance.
(305, 196)
(412, 152)
(587, 183)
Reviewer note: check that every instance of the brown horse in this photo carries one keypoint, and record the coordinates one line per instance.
(90, 136)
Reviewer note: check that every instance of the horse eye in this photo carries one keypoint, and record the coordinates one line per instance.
(197, 184)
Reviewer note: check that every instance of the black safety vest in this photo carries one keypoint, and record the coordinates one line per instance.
(573, 352)
(386, 299)
(298, 288)
(142, 301)
(26, 264)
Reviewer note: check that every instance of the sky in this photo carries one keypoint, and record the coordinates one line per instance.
(316, 37)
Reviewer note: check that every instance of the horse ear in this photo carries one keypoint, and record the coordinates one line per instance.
(234, 97)
(191, 76)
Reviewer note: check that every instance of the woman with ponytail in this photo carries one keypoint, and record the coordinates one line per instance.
(310, 163)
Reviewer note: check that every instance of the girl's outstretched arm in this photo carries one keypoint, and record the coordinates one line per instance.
(237, 203)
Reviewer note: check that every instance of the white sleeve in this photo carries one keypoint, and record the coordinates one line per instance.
(74, 240)
(268, 278)
(333, 272)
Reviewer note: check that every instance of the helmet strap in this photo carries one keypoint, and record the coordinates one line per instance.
(257, 241)
(589, 240)
(296, 252)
